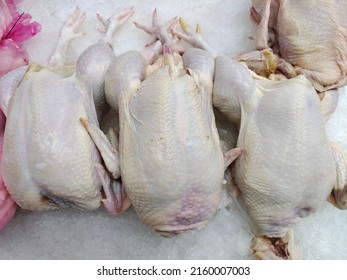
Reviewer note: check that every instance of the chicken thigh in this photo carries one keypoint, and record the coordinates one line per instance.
(48, 158)
(310, 35)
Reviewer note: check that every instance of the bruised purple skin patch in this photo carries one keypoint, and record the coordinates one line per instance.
(194, 209)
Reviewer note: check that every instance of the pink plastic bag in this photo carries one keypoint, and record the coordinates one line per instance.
(7, 205)
(19, 29)
(15, 28)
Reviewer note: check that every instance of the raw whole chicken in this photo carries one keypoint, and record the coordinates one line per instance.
(288, 168)
(171, 159)
(309, 35)
(14, 29)
(49, 160)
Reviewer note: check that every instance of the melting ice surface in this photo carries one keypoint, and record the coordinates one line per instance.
(71, 234)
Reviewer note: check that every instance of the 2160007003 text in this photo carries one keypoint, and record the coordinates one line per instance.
(222, 270)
